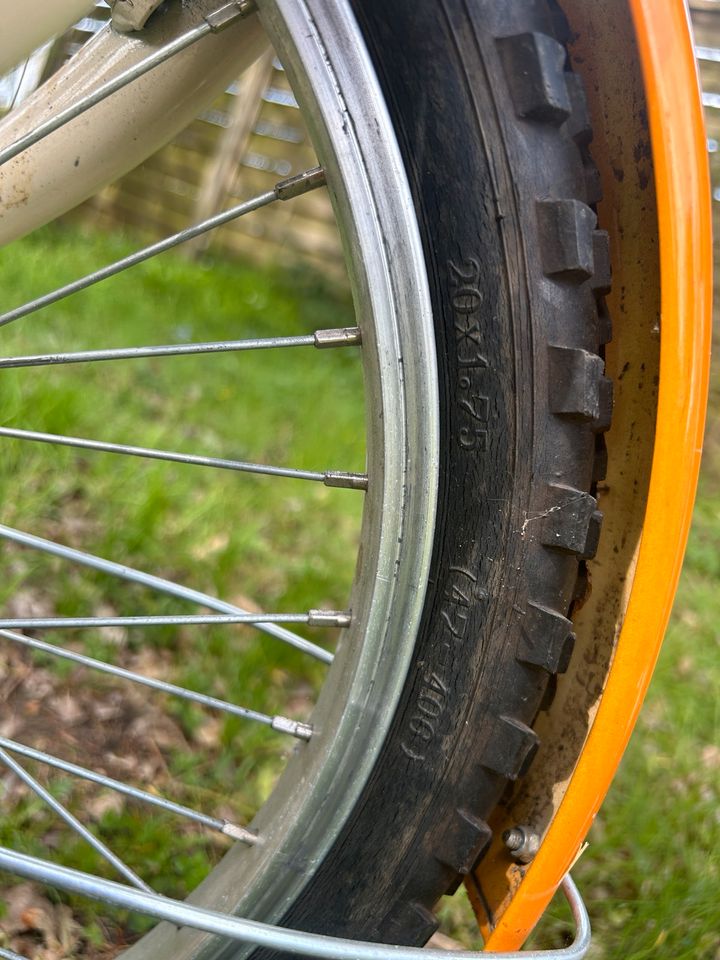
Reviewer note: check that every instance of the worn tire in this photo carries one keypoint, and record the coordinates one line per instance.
(494, 130)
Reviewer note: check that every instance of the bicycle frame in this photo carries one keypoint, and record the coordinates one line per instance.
(65, 168)
(637, 58)
(25, 26)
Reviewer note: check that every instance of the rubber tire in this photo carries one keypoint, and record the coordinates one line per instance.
(493, 128)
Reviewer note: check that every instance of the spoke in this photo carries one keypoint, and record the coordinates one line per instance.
(158, 583)
(227, 827)
(72, 821)
(330, 478)
(212, 23)
(708, 53)
(171, 350)
(284, 190)
(314, 618)
(295, 728)
(10, 955)
(343, 337)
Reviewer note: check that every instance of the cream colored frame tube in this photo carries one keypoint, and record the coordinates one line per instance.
(25, 24)
(117, 134)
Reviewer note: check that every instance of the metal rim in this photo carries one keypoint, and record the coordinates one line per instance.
(324, 54)
(299, 942)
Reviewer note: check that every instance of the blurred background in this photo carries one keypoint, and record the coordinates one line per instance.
(651, 875)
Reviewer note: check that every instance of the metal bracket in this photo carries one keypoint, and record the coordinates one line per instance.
(264, 934)
(129, 15)
(228, 14)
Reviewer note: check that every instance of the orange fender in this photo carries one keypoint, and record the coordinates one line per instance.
(639, 68)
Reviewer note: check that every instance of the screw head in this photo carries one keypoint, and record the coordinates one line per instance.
(522, 842)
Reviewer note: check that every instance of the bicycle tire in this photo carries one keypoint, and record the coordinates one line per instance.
(494, 131)
(517, 272)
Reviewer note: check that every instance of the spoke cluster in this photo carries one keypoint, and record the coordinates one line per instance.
(160, 585)
(72, 821)
(274, 624)
(225, 613)
(227, 827)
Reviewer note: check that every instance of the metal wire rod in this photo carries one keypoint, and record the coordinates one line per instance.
(330, 618)
(211, 24)
(171, 350)
(707, 53)
(227, 827)
(184, 914)
(72, 821)
(329, 477)
(158, 583)
(284, 190)
(711, 100)
(295, 728)
(344, 337)
(10, 955)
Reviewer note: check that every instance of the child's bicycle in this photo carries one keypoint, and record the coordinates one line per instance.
(522, 195)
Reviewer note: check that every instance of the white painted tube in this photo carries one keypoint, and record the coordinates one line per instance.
(114, 136)
(27, 24)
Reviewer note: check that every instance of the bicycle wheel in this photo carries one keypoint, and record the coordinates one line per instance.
(493, 130)
(460, 625)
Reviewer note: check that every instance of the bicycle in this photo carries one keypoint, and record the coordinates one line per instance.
(551, 526)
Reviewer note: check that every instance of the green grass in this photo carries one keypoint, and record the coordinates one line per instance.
(270, 544)
(651, 874)
(233, 534)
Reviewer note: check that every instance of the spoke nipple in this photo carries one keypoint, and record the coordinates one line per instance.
(294, 186)
(522, 842)
(239, 833)
(352, 481)
(340, 337)
(229, 13)
(329, 618)
(303, 731)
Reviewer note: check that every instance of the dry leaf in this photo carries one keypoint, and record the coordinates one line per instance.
(29, 912)
(711, 757)
(105, 803)
(67, 708)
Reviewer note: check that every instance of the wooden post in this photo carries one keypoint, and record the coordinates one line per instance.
(219, 172)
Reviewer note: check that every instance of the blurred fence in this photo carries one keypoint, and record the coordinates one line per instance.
(239, 146)
(706, 24)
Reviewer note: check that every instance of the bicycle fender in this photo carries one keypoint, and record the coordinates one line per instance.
(638, 64)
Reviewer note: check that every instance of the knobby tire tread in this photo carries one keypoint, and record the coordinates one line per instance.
(494, 130)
